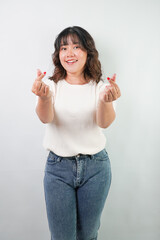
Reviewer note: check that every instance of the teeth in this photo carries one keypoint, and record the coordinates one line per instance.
(71, 61)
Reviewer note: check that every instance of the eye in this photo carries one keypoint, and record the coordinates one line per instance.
(76, 47)
(63, 48)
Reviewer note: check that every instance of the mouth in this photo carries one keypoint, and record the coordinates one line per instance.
(71, 62)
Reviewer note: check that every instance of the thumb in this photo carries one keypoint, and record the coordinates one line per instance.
(113, 79)
(38, 72)
(40, 75)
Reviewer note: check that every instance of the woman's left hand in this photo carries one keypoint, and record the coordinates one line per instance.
(111, 92)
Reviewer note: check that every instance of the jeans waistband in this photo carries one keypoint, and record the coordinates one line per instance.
(79, 155)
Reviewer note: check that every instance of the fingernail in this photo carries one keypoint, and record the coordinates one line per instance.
(108, 78)
(44, 73)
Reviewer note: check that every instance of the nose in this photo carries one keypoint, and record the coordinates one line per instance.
(70, 52)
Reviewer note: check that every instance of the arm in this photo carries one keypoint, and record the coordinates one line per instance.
(45, 110)
(105, 114)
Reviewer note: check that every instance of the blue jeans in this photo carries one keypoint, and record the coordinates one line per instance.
(75, 191)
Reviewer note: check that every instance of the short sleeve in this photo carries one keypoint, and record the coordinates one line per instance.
(52, 88)
(100, 87)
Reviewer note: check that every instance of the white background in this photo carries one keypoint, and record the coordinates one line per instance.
(127, 36)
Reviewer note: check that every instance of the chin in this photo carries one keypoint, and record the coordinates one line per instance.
(72, 71)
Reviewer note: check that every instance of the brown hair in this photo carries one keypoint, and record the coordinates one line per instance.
(92, 69)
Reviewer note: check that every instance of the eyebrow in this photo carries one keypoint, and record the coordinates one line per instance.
(67, 44)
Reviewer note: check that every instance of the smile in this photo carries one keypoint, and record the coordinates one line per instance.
(71, 62)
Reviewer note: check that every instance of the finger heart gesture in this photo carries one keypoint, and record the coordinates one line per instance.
(39, 88)
(111, 92)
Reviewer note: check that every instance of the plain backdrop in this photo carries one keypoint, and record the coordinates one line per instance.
(127, 37)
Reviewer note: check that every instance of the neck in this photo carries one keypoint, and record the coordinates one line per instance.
(75, 79)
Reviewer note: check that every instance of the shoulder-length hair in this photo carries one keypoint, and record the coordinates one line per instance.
(92, 69)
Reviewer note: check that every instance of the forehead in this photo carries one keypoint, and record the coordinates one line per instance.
(70, 39)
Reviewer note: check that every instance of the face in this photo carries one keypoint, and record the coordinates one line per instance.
(72, 57)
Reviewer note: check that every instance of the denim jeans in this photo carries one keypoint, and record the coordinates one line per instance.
(75, 190)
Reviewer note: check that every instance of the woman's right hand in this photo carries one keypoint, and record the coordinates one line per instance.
(39, 88)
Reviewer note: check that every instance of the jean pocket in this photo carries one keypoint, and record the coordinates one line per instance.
(102, 156)
(53, 158)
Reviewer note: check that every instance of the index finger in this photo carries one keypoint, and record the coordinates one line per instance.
(40, 75)
(113, 79)
(113, 84)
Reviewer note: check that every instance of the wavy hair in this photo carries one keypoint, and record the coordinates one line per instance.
(92, 68)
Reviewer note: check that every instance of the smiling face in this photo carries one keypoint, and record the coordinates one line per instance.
(72, 56)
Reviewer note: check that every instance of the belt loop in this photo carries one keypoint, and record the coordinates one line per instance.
(59, 159)
(77, 156)
(92, 156)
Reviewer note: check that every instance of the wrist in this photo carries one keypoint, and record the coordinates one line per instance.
(45, 99)
(104, 102)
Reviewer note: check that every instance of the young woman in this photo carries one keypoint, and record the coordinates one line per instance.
(75, 104)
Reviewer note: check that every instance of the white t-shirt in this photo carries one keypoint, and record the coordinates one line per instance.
(74, 129)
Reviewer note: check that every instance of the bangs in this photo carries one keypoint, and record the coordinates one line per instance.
(74, 38)
(64, 40)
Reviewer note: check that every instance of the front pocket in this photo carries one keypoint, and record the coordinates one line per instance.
(52, 158)
(102, 156)
(106, 158)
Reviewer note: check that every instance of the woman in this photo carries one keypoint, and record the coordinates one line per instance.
(75, 104)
